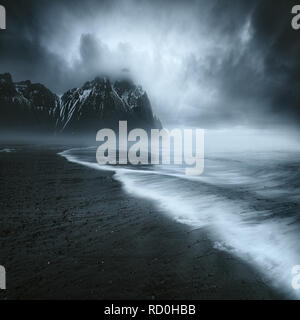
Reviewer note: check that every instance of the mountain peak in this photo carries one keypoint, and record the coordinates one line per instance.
(98, 103)
(6, 77)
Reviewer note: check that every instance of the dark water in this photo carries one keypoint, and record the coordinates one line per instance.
(249, 201)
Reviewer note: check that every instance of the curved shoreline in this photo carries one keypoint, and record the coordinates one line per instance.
(71, 232)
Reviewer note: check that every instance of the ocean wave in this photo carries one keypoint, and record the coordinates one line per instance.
(250, 205)
(7, 150)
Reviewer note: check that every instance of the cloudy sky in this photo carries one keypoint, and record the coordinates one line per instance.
(206, 63)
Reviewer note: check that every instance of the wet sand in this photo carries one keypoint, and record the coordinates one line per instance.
(70, 232)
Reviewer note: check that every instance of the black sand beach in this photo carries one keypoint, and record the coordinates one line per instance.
(70, 232)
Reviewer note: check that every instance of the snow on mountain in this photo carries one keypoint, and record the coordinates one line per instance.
(97, 104)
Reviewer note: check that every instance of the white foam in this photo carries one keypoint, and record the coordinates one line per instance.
(271, 245)
(8, 150)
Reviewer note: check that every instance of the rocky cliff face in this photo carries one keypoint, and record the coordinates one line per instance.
(97, 104)
(25, 106)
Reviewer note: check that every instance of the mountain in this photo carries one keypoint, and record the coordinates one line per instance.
(25, 106)
(28, 107)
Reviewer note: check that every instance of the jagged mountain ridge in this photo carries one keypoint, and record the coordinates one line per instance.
(25, 106)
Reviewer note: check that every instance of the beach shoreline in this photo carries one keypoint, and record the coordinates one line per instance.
(71, 232)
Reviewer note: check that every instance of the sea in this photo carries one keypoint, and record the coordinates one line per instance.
(248, 197)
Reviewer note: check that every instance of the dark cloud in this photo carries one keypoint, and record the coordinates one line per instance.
(208, 63)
